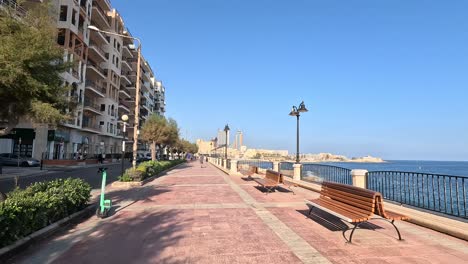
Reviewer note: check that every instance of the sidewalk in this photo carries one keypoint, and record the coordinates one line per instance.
(201, 215)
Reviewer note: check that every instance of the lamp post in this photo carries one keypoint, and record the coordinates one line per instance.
(226, 129)
(295, 111)
(137, 88)
(19, 151)
(124, 119)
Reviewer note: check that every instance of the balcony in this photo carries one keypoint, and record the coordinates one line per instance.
(98, 37)
(126, 66)
(127, 52)
(97, 89)
(90, 125)
(96, 69)
(91, 106)
(97, 51)
(125, 78)
(100, 18)
(124, 94)
(124, 107)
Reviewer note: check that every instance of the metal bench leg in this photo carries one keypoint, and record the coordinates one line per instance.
(396, 228)
(352, 232)
(310, 210)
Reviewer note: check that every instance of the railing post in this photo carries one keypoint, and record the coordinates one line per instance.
(233, 167)
(297, 172)
(359, 178)
(276, 166)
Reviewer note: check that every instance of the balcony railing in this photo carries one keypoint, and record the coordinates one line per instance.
(95, 86)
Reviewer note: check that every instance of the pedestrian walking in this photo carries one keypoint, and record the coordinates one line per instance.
(201, 161)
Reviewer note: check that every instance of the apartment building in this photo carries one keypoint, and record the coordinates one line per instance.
(103, 86)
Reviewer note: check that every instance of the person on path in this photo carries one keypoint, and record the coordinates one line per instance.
(201, 161)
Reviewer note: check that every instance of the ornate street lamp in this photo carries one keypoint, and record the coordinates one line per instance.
(296, 111)
(226, 129)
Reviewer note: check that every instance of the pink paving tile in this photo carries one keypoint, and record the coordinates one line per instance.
(283, 194)
(193, 180)
(191, 194)
(167, 236)
(381, 245)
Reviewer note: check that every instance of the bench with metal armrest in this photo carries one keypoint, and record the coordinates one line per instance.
(354, 205)
(272, 180)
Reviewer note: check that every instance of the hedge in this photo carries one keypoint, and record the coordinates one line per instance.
(148, 169)
(39, 205)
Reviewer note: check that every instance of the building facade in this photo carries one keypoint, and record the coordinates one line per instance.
(102, 85)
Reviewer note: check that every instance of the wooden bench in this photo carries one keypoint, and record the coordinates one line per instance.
(272, 180)
(253, 170)
(354, 205)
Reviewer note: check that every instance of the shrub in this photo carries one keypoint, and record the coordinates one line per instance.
(148, 169)
(40, 204)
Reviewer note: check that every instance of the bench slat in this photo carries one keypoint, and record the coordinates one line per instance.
(351, 211)
(342, 214)
(367, 205)
(348, 188)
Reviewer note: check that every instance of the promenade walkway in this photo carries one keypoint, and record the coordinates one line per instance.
(201, 215)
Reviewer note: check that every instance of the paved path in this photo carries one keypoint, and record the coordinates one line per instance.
(201, 215)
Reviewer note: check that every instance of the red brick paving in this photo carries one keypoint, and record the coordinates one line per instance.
(369, 246)
(139, 233)
(181, 236)
(193, 180)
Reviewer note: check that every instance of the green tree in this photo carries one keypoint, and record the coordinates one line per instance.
(171, 135)
(30, 67)
(154, 131)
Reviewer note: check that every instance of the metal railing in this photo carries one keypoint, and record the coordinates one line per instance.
(13, 5)
(286, 168)
(263, 164)
(441, 193)
(319, 172)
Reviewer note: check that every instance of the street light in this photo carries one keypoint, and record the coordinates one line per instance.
(124, 119)
(137, 87)
(226, 129)
(295, 111)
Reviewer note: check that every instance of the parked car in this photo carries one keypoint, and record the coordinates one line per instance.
(12, 160)
(143, 157)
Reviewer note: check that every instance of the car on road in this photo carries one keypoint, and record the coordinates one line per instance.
(13, 160)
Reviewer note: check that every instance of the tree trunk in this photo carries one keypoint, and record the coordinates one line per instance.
(153, 151)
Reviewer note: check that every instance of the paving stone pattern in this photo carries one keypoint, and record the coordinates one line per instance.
(202, 215)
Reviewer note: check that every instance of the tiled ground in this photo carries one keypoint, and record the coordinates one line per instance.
(201, 215)
(376, 242)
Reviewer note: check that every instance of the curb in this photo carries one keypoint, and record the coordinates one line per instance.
(119, 184)
(11, 250)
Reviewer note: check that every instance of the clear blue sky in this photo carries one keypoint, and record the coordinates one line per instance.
(384, 78)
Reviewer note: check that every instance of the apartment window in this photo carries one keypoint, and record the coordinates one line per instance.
(103, 108)
(63, 13)
(118, 47)
(74, 17)
(117, 62)
(107, 56)
(89, 10)
(107, 127)
(61, 37)
(101, 123)
(115, 44)
(108, 39)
